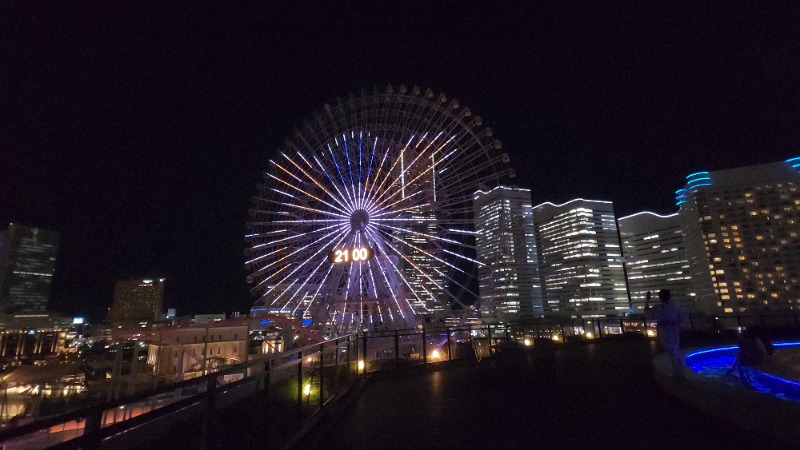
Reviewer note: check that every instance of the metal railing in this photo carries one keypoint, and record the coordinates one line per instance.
(289, 388)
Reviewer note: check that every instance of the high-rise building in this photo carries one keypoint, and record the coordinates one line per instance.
(580, 259)
(27, 265)
(656, 259)
(506, 249)
(741, 230)
(137, 300)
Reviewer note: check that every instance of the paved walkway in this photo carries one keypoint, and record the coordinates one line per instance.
(602, 395)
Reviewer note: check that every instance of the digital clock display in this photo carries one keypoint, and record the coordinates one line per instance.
(354, 254)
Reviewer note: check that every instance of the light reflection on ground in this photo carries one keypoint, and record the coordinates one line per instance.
(716, 363)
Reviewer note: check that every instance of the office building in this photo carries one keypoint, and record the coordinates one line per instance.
(506, 249)
(580, 259)
(741, 231)
(655, 258)
(27, 266)
(137, 300)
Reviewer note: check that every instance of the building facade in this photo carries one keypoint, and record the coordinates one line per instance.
(580, 259)
(506, 248)
(137, 300)
(741, 229)
(27, 266)
(655, 258)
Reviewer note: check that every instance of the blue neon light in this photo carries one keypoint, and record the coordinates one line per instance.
(330, 150)
(700, 185)
(680, 190)
(347, 153)
(764, 382)
(718, 349)
(372, 158)
(796, 158)
(796, 165)
(680, 203)
(264, 322)
(695, 174)
(307, 322)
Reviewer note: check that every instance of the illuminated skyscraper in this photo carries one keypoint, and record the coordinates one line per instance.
(580, 264)
(655, 256)
(506, 248)
(741, 230)
(137, 300)
(27, 265)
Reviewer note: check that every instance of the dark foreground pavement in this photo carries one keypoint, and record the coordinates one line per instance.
(602, 395)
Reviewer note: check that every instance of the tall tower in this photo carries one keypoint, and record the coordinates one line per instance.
(656, 258)
(580, 259)
(741, 229)
(137, 300)
(506, 248)
(27, 265)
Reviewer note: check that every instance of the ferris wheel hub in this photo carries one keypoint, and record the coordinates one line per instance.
(359, 220)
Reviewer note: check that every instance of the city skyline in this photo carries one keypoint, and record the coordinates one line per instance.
(142, 148)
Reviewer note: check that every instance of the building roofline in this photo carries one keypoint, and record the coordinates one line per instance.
(649, 213)
(571, 201)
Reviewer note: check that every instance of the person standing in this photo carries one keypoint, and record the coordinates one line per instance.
(669, 317)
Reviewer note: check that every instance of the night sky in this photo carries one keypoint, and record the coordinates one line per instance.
(140, 134)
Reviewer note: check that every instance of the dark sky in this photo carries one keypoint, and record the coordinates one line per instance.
(140, 134)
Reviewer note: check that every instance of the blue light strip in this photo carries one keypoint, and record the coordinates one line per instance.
(347, 153)
(696, 174)
(718, 349)
(796, 158)
(360, 145)
(774, 377)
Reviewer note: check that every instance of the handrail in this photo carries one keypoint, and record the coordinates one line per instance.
(430, 339)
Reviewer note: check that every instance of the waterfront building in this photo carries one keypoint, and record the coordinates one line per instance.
(741, 230)
(137, 300)
(506, 249)
(181, 353)
(580, 259)
(27, 266)
(655, 258)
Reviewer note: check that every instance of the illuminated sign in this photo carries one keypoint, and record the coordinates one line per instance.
(355, 254)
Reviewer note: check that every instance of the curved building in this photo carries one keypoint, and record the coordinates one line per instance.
(741, 229)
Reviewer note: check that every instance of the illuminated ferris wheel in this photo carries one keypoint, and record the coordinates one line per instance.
(364, 219)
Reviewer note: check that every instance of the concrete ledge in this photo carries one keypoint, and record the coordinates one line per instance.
(757, 412)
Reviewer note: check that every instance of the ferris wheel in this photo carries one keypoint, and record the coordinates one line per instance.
(364, 220)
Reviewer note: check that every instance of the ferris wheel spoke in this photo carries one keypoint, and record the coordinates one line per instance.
(396, 211)
(350, 170)
(426, 235)
(314, 180)
(335, 184)
(393, 193)
(404, 242)
(400, 274)
(337, 233)
(306, 193)
(398, 160)
(294, 236)
(305, 208)
(341, 177)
